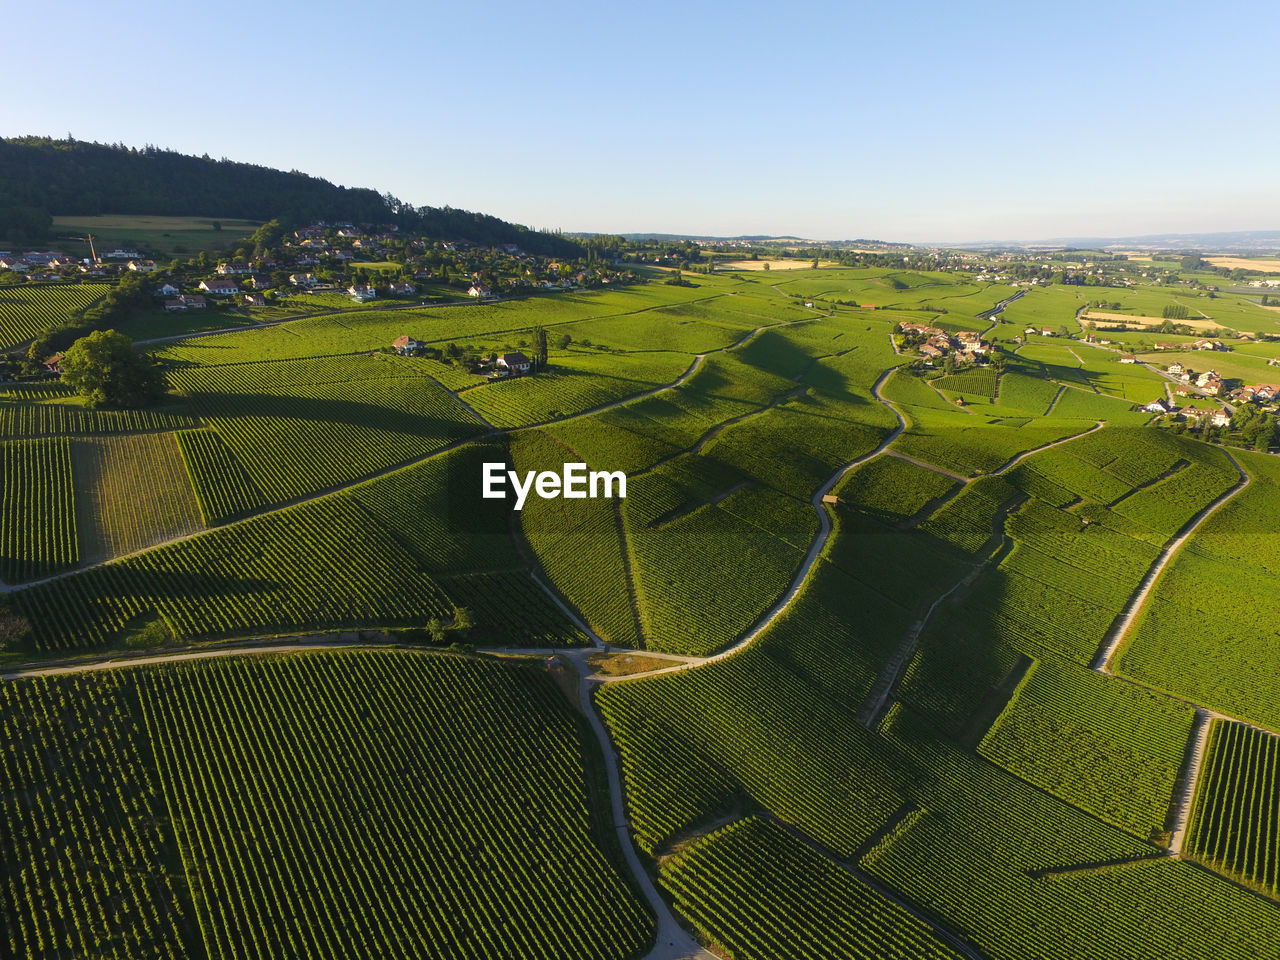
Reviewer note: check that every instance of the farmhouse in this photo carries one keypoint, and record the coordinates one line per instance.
(1219, 418)
(405, 345)
(54, 364)
(1177, 369)
(1128, 358)
(516, 363)
(479, 290)
(220, 288)
(1157, 406)
(1208, 345)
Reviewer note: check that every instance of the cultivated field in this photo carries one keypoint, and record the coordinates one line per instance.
(919, 650)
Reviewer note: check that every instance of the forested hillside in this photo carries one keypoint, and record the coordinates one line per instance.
(41, 177)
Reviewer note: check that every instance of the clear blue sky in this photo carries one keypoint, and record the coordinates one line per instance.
(903, 121)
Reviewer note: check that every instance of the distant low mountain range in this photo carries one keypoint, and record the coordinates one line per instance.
(1237, 241)
(41, 178)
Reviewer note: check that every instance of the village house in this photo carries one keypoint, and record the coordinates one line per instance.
(174, 304)
(1265, 391)
(166, 290)
(1157, 406)
(220, 288)
(123, 253)
(361, 292)
(516, 363)
(1177, 369)
(1210, 385)
(403, 289)
(1128, 358)
(142, 266)
(479, 290)
(234, 268)
(1218, 418)
(194, 301)
(1208, 345)
(254, 300)
(54, 365)
(405, 345)
(14, 264)
(1183, 390)
(261, 283)
(303, 280)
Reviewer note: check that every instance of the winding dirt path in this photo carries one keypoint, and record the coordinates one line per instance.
(1120, 630)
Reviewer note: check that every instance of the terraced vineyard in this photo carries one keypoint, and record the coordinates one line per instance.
(336, 805)
(132, 492)
(299, 427)
(37, 512)
(1109, 748)
(1235, 822)
(910, 757)
(756, 892)
(27, 311)
(223, 488)
(309, 567)
(79, 779)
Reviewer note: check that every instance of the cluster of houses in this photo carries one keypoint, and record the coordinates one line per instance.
(499, 367)
(934, 343)
(1206, 382)
(1197, 345)
(1216, 416)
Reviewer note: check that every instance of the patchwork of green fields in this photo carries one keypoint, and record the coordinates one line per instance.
(912, 755)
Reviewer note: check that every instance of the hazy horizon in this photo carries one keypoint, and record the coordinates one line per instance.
(920, 123)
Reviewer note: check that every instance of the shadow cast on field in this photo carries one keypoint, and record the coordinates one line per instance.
(328, 410)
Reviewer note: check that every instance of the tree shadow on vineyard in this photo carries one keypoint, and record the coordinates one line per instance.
(328, 410)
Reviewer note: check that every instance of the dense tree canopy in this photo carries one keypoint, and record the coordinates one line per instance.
(104, 369)
(40, 176)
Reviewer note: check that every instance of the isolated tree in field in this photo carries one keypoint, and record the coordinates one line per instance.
(565, 340)
(540, 347)
(104, 369)
(766, 265)
(815, 263)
